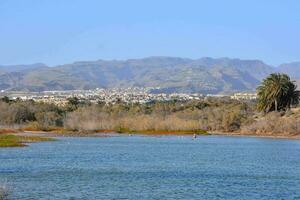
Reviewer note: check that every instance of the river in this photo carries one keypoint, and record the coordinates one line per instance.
(169, 167)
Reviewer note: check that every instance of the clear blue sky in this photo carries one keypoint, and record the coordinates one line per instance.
(63, 31)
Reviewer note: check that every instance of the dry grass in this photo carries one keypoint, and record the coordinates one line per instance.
(134, 124)
(35, 126)
(212, 115)
(277, 124)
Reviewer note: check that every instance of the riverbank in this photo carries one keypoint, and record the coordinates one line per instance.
(270, 135)
(40, 136)
(105, 132)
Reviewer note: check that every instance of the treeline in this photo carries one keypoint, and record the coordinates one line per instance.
(208, 115)
(24, 113)
(211, 114)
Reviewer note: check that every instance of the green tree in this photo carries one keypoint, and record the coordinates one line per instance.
(73, 103)
(277, 92)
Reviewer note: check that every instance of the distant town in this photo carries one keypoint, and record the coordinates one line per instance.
(127, 95)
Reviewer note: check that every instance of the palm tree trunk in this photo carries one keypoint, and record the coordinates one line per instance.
(289, 105)
(276, 105)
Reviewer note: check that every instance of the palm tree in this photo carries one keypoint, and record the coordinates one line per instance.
(277, 92)
(292, 97)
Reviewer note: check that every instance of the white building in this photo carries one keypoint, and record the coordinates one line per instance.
(244, 96)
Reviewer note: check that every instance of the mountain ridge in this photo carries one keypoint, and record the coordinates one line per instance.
(170, 74)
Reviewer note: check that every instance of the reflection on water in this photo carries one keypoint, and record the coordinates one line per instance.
(137, 167)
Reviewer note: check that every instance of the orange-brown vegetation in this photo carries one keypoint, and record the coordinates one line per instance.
(8, 130)
(172, 117)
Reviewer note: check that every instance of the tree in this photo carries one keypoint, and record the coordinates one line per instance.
(5, 99)
(277, 92)
(73, 103)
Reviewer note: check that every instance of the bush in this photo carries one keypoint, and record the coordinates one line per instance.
(274, 123)
(222, 115)
(168, 116)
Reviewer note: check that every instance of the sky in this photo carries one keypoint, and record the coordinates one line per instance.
(63, 31)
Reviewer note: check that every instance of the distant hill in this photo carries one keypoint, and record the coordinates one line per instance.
(292, 68)
(170, 74)
(19, 68)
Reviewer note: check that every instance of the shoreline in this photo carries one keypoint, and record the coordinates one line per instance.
(108, 133)
(238, 134)
(145, 133)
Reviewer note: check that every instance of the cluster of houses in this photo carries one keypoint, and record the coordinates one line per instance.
(127, 95)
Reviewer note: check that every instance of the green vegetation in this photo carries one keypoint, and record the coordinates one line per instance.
(188, 117)
(8, 140)
(277, 92)
(20, 113)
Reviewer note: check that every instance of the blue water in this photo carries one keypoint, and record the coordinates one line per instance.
(210, 167)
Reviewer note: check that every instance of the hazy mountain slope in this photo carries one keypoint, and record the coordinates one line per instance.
(10, 80)
(291, 68)
(205, 75)
(20, 68)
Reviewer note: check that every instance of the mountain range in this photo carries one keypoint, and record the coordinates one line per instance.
(167, 74)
